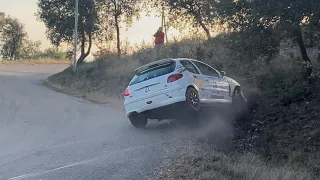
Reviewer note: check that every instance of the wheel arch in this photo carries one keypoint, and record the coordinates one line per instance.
(236, 87)
(191, 86)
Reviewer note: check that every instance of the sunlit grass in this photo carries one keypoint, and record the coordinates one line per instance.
(34, 62)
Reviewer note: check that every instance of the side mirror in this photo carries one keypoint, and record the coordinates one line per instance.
(223, 73)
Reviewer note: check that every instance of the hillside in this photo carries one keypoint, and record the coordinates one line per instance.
(285, 127)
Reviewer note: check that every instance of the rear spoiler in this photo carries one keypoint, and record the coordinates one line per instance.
(152, 66)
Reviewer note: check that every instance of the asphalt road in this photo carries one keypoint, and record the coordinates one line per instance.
(49, 135)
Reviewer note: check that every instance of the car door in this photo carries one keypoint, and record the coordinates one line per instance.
(204, 81)
(217, 88)
(196, 77)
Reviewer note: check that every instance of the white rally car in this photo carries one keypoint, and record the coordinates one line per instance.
(168, 88)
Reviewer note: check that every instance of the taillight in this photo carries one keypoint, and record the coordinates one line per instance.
(127, 92)
(174, 77)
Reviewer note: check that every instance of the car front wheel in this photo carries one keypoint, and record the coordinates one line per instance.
(238, 101)
(138, 120)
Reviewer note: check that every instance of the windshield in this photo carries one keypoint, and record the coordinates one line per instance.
(153, 72)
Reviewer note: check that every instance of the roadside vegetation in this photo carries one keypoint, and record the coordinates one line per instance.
(34, 61)
(272, 48)
(216, 165)
(284, 128)
(17, 48)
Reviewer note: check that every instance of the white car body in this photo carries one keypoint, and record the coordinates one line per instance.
(152, 93)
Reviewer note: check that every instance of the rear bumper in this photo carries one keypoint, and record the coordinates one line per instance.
(169, 97)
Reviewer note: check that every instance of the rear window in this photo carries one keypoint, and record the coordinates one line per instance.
(153, 72)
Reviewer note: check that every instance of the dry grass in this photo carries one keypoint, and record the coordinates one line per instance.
(34, 62)
(219, 166)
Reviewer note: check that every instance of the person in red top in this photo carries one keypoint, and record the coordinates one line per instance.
(159, 40)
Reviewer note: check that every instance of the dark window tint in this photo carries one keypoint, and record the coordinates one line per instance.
(189, 66)
(153, 72)
(206, 70)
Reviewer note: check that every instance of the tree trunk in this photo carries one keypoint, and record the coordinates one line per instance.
(301, 44)
(118, 35)
(82, 47)
(90, 45)
(12, 53)
(205, 29)
(165, 29)
(303, 50)
(84, 54)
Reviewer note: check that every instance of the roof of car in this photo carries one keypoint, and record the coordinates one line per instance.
(160, 62)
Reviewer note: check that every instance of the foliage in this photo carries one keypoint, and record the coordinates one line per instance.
(188, 12)
(114, 13)
(278, 18)
(12, 37)
(55, 53)
(58, 16)
(30, 49)
(2, 21)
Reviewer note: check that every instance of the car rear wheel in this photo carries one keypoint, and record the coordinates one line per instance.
(193, 100)
(138, 120)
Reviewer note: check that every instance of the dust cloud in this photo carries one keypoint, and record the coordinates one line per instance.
(218, 125)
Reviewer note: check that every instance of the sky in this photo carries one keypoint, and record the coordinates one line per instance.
(24, 10)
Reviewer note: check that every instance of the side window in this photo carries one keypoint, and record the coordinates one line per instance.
(189, 66)
(206, 70)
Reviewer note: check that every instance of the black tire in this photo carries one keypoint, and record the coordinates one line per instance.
(138, 120)
(238, 102)
(192, 102)
(237, 97)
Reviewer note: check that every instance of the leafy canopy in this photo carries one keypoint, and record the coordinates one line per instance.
(58, 16)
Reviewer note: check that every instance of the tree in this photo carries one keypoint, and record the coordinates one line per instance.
(291, 16)
(55, 53)
(2, 20)
(30, 49)
(285, 16)
(239, 16)
(12, 36)
(2, 23)
(194, 11)
(120, 11)
(58, 16)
